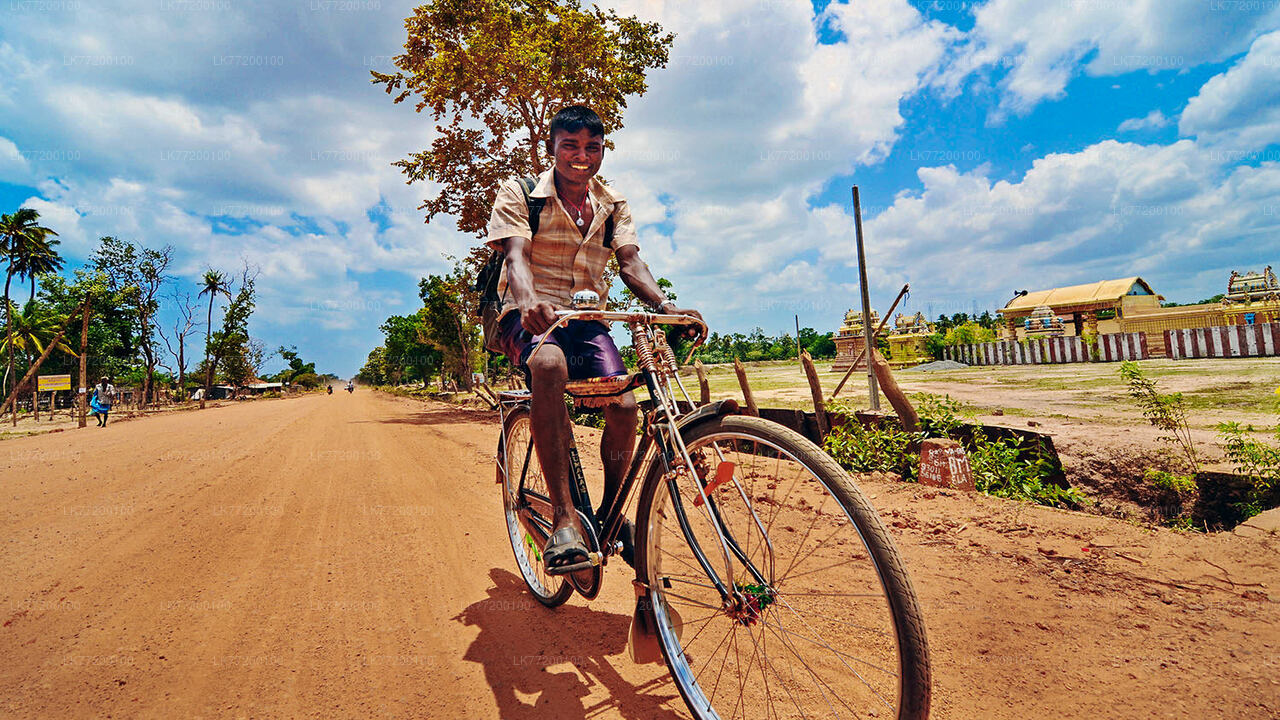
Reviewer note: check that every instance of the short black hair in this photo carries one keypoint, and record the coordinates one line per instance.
(573, 118)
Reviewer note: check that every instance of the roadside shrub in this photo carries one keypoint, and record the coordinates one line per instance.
(1167, 412)
(1256, 460)
(883, 448)
(939, 416)
(1007, 468)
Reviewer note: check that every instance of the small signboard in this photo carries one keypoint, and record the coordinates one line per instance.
(53, 382)
(944, 464)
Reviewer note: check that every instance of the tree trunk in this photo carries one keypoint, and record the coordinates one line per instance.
(8, 330)
(84, 371)
(35, 397)
(182, 370)
(208, 335)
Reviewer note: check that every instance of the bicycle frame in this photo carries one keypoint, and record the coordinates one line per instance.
(662, 433)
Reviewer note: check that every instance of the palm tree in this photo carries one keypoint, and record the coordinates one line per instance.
(215, 283)
(31, 331)
(19, 232)
(36, 257)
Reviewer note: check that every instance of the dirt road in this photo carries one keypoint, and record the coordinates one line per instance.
(344, 556)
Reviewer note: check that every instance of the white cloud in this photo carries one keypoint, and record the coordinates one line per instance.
(1045, 44)
(1153, 120)
(1111, 210)
(13, 166)
(1240, 108)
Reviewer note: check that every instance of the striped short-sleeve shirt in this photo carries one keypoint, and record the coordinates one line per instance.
(562, 259)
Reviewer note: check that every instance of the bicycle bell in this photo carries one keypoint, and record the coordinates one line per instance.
(586, 300)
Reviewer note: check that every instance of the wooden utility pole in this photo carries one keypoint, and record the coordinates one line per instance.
(868, 333)
(83, 396)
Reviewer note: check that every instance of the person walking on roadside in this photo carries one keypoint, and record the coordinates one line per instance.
(104, 394)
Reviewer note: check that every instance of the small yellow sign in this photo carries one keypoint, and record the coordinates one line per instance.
(53, 382)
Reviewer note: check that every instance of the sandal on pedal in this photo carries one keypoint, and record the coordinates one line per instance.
(627, 536)
(566, 552)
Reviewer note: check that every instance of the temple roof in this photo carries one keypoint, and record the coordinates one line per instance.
(1099, 293)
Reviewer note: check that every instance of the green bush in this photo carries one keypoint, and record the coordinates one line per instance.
(885, 448)
(1170, 482)
(1257, 461)
(1004, 468)
(1007, 468)
(1167, 412)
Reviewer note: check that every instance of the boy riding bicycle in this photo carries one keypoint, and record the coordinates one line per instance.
(580, 224)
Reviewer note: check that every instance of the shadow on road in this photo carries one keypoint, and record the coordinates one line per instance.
(525, 649)
(439, 416)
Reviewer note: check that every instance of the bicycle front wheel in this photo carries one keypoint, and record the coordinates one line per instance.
(822, 620)
(527, 508)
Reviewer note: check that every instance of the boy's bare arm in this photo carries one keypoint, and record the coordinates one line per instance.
(535, 316)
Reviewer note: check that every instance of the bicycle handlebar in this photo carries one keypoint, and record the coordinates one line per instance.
(629, 317)
(646, 318)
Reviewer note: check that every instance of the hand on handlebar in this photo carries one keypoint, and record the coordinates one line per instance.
(538, 318)
(690, 332)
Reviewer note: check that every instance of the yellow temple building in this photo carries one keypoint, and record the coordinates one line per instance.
(1129, 305)
(907, 339)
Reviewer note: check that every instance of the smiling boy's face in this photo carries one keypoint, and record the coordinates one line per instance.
(578, 154)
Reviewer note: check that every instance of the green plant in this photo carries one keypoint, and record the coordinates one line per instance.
(1167, 412)
(882, 447)
(1007, 468)
(1256, 460)
(939, 416)
(1170, 482)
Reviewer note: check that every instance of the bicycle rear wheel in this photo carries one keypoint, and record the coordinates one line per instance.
(527, 508)
(827, 625)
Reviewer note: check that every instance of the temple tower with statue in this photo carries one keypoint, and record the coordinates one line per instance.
(907, 340)
(1252, 298)
(850, 339)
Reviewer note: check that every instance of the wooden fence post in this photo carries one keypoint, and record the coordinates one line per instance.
(704, 388)
(746, 389)
(815, 390)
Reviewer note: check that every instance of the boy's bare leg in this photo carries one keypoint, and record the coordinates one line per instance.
(617, 446)
(550, 420)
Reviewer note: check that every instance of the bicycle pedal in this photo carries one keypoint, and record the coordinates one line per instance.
(594, 560)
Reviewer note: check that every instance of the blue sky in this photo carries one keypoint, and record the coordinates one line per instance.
(997, 146)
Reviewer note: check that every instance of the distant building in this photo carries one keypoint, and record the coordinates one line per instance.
(1084, 309)
(907, 344)
(851, 338)
(1129, 305)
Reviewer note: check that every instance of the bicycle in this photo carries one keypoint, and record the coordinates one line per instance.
(728, 564)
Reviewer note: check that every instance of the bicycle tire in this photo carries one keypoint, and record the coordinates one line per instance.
(762, 516)
(523, 526)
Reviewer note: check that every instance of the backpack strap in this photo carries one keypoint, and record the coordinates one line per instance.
(534, 204)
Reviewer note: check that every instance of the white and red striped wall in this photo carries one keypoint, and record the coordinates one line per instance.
(1224, 341)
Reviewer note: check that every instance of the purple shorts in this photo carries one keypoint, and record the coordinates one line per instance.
(588, 349)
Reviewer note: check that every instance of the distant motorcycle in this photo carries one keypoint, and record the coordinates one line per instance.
(330, 389)
(350, 389)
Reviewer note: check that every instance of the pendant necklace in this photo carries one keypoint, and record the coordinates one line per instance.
(577, 209)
